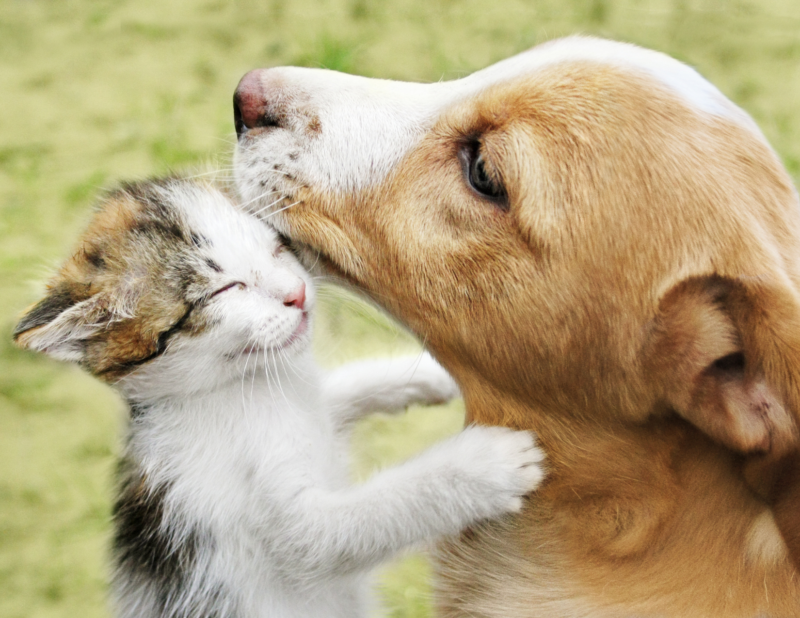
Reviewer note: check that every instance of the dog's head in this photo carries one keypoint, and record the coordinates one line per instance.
(589, 227)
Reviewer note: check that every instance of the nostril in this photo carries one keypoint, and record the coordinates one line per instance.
(297, 297)
(238, 121)
(250, 104)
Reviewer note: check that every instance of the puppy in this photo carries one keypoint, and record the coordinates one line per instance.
(600, 247)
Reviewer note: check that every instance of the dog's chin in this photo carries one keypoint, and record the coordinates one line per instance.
(311, 259)
(320, 265)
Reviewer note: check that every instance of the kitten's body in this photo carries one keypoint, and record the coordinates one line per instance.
(234, 500)
(252, 545)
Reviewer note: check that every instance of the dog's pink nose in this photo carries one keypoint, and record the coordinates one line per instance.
(297, 297)
(250, 103)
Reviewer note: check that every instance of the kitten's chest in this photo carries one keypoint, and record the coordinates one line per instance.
(224, 468)
(289, 454)
(300, 452)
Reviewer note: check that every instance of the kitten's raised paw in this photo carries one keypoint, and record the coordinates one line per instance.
(507, 465)
(431, 382)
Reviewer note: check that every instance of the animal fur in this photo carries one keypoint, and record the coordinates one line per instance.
(233, 498)
(598, 246)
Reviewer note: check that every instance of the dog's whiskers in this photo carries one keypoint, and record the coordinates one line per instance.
(272, 214)
(270, 205)
(260, 196)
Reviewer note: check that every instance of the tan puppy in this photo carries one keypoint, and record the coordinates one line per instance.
(599, 247)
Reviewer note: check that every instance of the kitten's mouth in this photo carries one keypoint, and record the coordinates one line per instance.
(301, 330)
(251, 349)
(256, 349)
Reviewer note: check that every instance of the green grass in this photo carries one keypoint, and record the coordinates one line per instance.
(95, 91)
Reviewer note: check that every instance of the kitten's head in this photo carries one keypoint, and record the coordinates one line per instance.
(172, 286)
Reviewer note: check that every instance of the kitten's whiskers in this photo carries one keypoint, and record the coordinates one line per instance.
(244, 373)
(275, 354)
(253, 379)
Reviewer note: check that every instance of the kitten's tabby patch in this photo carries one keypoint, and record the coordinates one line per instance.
(137, 272)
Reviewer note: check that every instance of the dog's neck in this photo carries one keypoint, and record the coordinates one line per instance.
(585, 469)
(640, 512)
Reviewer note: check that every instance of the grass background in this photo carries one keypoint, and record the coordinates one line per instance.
(95, 91)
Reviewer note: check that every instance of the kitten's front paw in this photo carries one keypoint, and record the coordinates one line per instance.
(507, 464)
(430, 383)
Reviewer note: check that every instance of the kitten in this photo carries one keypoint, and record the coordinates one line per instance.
(233, 498)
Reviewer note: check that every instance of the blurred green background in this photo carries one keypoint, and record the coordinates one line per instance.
(95, 91)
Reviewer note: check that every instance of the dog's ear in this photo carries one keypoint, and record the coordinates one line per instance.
(699, 357)
(60, 323)
(725, 355)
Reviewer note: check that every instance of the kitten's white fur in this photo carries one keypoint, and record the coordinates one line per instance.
(267, 477)
(246, 448)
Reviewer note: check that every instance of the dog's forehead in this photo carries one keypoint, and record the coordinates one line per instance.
(368, 126)
(697, 92)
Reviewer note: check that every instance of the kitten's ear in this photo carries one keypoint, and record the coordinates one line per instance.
(59, 324)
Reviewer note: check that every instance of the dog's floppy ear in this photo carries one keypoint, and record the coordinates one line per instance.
(699, 356)
(725, 355)
(60, 323)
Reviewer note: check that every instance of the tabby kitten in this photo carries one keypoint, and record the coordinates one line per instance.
(233, 498)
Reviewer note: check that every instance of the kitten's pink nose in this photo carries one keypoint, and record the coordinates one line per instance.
(297, 297)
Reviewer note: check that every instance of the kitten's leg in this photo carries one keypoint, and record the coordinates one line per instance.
(481, 473)
(361, 388)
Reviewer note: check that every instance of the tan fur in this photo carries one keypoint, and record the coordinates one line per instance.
(644, 242)
(765, 544)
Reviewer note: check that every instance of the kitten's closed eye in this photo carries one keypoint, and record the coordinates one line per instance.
(227, 287)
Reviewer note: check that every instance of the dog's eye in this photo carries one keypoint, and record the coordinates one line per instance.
(479, 177)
